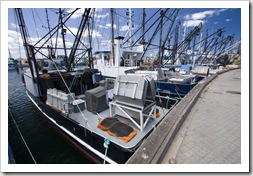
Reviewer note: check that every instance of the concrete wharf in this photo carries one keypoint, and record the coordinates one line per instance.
(204, 128)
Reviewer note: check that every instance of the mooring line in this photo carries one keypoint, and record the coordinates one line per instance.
(22, 137)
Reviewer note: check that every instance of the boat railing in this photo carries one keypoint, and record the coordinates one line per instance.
(130, 62)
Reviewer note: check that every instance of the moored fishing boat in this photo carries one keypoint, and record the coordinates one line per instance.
(106, 121)
(11, 64)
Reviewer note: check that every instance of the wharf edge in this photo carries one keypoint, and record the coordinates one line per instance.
(157, 144)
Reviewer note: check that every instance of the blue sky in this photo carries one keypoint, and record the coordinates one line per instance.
(211, 19)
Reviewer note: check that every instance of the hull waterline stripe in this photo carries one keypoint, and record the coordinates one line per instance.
(102, 156)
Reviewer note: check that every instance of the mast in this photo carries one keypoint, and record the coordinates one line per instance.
(205, 45)
(143, 24)
(193, 50)
(29, 49)
(24, 34)
(175, 46)
(167, 38)
(161, 34)
(112, 20)
(89, 49)
(130, 25)
(63, 32)
(78, 37)
(231, 51)
(48, 26)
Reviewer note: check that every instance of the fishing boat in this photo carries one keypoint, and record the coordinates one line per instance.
(108, 109)
(107, 120)
(11, 64)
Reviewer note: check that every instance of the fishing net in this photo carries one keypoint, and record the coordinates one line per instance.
(116, 128)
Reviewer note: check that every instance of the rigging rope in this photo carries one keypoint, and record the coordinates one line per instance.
(22, 137)
(106, 146)
(85, 119)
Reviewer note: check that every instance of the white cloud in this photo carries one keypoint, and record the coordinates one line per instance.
(228, 20)
(99, 9)
(13, 38)
(94, 34)
(14, 26)
(193, 23)
(215, 22)
(15, 44)
(204, 14)
(80, 12)
(124, 28)
(220, 10)
(101, 16)
(187, 17)
(73, 30)
(200, 17)
(77, 14)
(109, 25)
(103, 26)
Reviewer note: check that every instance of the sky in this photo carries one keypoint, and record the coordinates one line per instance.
(213, 19)
(37, 25)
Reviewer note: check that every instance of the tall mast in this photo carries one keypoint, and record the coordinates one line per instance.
(193, 50)
(143, 24)
(63, 32)
(89, 49)
(83, 24)
(24, 35)
(112, 19)
(130, 28)
(48, 26)
(29, 49)
(161, 34)
(205, 44)
(130, 25)
(175, 46)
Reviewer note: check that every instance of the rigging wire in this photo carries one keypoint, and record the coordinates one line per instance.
(106, 14)
(35, 25)
(39, 18)
(19, 48)
(85, 118)
(144, 24)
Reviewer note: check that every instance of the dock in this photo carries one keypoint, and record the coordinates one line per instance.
(204, 127)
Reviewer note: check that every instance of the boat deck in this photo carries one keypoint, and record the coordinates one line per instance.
(93, 120)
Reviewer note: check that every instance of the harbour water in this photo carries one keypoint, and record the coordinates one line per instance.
(46, 146)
